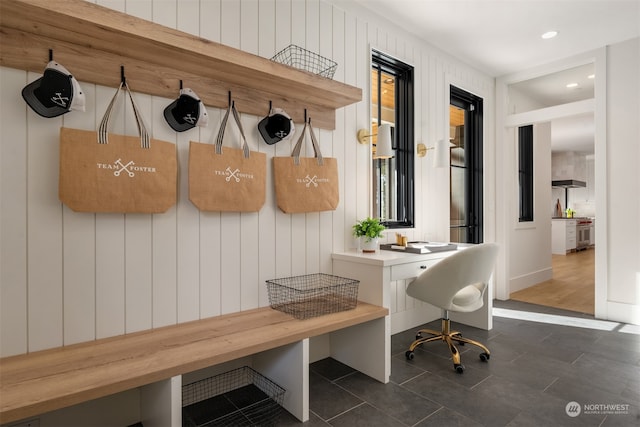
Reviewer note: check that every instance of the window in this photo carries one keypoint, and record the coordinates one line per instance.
(525, 172)
(392, 103)
(466, 197)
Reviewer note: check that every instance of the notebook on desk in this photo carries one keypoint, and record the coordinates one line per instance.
(420, 247)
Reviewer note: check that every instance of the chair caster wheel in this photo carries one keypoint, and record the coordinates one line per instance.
(418, 336)
(485, 356)
(409, 355)
(459, 368)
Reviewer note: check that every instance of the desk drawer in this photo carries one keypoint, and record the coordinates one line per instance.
(409, 270)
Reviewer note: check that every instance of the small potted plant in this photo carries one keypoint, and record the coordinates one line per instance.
(368, 231)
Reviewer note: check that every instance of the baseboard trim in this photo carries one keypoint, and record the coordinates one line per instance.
(527, 280)
(625, 313)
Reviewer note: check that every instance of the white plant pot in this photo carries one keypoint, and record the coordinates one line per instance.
(368, 245)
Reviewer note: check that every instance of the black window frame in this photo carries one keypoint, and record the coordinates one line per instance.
(403, 137)
(525, 173)
(473, 118)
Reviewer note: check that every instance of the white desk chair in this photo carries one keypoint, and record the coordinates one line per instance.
(456, 283)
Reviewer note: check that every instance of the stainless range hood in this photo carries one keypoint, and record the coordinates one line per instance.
(568, 183)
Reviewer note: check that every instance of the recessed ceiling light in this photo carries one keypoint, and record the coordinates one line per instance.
(572, 85)
(549, 34)
(591, 76)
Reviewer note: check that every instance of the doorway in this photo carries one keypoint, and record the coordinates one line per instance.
(571, 288)
(572, 285)
(514, 110)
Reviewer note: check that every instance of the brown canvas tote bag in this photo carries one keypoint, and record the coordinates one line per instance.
(308, 184)
(102, 172)
(229, 180)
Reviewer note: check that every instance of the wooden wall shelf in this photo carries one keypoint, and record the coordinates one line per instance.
(93, 42)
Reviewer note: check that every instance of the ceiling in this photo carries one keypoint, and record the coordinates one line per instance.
(501, 37)
(576, 133)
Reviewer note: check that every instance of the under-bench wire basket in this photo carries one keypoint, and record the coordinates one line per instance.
(312, 295)
(240, 397)
(303, 59)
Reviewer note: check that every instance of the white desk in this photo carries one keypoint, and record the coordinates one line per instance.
(384, 277)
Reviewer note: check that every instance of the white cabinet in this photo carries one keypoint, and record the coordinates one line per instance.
(563, 236)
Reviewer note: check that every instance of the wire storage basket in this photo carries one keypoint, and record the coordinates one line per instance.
(303, 59)
(240, 397)
(312, 295)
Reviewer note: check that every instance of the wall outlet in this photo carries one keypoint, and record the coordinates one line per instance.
(34, 422)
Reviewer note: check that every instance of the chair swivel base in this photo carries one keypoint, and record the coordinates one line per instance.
(449, 337)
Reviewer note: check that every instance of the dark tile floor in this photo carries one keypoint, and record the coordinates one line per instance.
(535, 371)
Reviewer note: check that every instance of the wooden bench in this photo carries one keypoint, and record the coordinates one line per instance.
(43, 381)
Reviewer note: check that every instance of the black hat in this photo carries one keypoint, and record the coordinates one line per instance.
(277, 126)
(186, 112)
(55, 93)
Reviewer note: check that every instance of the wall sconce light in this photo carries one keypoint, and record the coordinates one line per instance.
(422, 149)
(363, 135)
(384, 149)
(440, 155)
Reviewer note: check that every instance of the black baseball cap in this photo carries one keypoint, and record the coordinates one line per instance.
(55, 93)
(186, 112)
(277, 126)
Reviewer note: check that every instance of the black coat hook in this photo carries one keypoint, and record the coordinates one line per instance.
(180, 84)
(123, 79)
(50, 55)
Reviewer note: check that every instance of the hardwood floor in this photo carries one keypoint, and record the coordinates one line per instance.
(572, 285)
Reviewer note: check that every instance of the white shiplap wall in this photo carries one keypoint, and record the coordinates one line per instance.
(70, 277)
